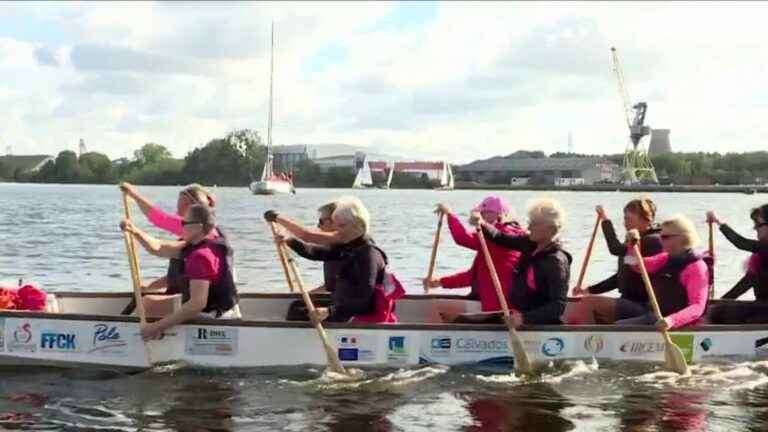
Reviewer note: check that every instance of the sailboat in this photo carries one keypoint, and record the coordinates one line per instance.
(363, 179)
(446, 179)
(271, 182)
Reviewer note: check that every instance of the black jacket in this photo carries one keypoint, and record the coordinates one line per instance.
(758, 282)
(551, 268)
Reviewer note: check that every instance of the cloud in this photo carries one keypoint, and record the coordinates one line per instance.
(110, 58)
(46, 56)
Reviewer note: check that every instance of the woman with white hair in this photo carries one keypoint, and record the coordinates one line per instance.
(679, 277)
(360, 264)
(540, 282)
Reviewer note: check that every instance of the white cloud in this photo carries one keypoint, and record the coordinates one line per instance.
(476, 80)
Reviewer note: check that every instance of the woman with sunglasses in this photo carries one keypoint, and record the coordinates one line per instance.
(209, 288)
(539, 289)
(639, 214)
(679, 277)
(757, 272)
(493, 210)
(330, 268)
(190, 195)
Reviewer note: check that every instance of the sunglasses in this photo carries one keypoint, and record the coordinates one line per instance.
(323, 220)
(185, 223)
(668, 236)
(760, 225)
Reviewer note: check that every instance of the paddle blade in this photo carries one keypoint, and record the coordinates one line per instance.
(675, 359)
(523, 364)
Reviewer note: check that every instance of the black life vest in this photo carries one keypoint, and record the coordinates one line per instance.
(524, 297)
(670, 292)
(630, 282)
(222, 295)
(175, 276)
(761, 285)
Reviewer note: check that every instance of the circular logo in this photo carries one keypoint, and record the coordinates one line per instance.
(23, 334)
(594, 344)
(552, 347)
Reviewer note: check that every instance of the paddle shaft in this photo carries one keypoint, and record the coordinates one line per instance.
(133, 261)
(290, 267)
(712, 255)
(522, 362)
(584, 263)
(672, 352)
(282, 257)
(433, 258)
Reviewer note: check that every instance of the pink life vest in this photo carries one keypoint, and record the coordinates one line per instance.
(385, 297)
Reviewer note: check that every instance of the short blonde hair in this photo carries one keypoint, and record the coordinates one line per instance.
(351, 211)
(547, 210)
(683, 227)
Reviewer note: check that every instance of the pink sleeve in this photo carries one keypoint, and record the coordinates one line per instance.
(695, 279)
(461, 235)
(202, 264)
(652, 263)
(458, 280)
(166, 221)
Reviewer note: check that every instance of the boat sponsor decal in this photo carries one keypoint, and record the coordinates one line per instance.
(353, 348)
(478, 345)
(552, 347)
(685, 343)
(397, 349)
(57, 341)
(214, 341)
(761, 346)
(706, 344)
(641, 347)
(21, 337)
(440, 346)
(594, 344)
(107, 340)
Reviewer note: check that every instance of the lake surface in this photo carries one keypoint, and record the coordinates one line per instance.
(66, 238)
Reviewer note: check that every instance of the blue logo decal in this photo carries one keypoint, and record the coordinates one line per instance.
(348, 354)
(397, 344)
(552, 347)
(441, 343)
(57, 341)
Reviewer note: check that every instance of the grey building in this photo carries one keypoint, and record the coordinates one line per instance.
(287, 156)
(659, 142)
(543, 171)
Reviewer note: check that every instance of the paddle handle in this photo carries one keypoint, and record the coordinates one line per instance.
(282, 256)
(522, 362)
(433, 257)
(133, 262)
(585, 262)
(712, 255)
(289, 265)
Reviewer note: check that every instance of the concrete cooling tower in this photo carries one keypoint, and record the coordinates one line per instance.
(659, 142)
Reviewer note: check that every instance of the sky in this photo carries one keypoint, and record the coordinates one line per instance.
(455, 81)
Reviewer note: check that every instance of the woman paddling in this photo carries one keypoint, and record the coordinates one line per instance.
(360, 264)
(172, 223)
(493, 210)
(756, 277)
(679, 276)
(639, 214)
(208, 288)
(540, 282)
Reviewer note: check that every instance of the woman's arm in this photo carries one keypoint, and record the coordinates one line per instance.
(163, 249)
(170, 222)
(609, 284)
(198, 298)
(744, 284)
(144, 204)
(458, 280)
(737, 240)
(695, 278)
(652, 263)
(313, 252)
(515, 242)
(461, 235)
(615, 247)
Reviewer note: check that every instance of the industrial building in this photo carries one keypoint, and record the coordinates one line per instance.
(541, 171)
(659, 142)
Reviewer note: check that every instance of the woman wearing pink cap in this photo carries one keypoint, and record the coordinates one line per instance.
(493, 210)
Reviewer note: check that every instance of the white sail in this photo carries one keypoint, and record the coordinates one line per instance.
(391, 174)
(363, 178)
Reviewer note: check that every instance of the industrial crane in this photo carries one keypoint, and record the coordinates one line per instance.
(637, 164)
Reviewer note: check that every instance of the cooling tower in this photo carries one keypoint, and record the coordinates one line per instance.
(659, 142)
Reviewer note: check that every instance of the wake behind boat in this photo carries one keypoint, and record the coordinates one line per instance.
(86, 329)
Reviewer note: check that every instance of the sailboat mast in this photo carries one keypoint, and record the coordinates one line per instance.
(268, 171)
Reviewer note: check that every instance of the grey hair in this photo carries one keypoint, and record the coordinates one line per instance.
(351, 211)
(548, 210)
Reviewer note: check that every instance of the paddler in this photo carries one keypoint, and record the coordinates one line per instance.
(190, 195)
(679, 277)
(756, 276)
(539, 288)
(639, 214)
(494, 211)
(209, 289)
(360, 266)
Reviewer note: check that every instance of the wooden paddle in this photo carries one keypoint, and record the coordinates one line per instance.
(433, 258)
(675, 360)
(330, 352)
(522, 362)
(133, 261)
(283, 259)
(577, 290)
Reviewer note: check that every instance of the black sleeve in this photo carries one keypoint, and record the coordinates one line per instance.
(313, 252)
(515, 242)
(739, 241)
(366, 267)
(557, 270)
(607, 285)
(616, 247)
(743, 285)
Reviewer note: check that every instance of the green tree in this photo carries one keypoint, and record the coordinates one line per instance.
(97, 165)
(150, 153)
(230, 161)
(6, 171)
(67, 170)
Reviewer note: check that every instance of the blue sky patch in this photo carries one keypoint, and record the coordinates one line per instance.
(407, 16)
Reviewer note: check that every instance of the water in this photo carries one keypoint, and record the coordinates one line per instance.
(66, 238)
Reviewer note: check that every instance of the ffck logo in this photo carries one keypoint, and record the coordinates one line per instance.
(57, 341)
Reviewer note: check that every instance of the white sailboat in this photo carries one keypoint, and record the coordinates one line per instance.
(363, 179)
(446, 178)
(271, 182)
(391, 174)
